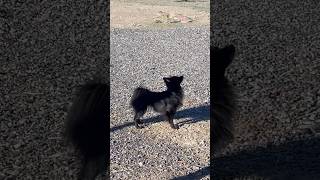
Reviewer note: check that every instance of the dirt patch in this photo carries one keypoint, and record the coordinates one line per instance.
(146, 15)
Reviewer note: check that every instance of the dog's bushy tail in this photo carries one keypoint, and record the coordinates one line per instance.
(87, 126)
(223, 109)
(139, 99)
(223, 98)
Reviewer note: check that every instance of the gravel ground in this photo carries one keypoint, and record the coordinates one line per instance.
(46, 49)
(276, 73)
(143, 57)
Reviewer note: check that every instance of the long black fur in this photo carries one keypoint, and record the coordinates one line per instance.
(166, 102)
(87, 127)
(223, 97)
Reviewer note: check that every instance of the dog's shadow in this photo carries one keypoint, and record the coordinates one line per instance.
(294, 159)
(191, 1)
(192, 115)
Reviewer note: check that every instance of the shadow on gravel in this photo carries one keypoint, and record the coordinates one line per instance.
(195, 175)
(191, 1)
(291, 160)
(295, 160)
(194, 115)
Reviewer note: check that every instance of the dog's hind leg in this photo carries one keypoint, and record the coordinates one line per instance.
(137, 120)
(169, 116)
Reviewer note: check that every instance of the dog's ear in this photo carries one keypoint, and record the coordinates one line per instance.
(229, 51)
(214, 49)
(181, 79)
(227, 56)
(166, 79)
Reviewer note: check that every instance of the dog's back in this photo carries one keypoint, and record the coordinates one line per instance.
(87, 126)
(222, 98)
(142, 98)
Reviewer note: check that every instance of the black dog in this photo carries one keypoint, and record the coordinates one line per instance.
(87, 127)
(223, 96)
(166, 102)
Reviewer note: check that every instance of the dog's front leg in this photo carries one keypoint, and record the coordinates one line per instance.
(138, 121)
(169, 116)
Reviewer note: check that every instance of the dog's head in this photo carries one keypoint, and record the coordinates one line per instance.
(221, 58)
(173, 82)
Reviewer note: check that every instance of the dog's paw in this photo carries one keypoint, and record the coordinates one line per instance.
(139, 126)
(175, 126)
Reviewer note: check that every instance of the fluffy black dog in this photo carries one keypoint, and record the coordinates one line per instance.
(166, 102)
(87, 127)
(223, 97)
